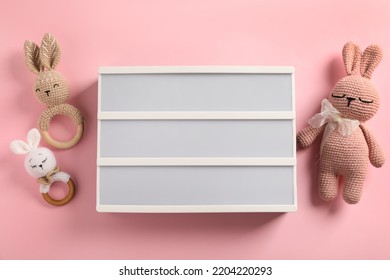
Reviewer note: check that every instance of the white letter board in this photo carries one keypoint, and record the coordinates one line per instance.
(196, 139)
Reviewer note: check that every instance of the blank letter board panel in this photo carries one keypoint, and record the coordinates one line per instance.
(196, 139)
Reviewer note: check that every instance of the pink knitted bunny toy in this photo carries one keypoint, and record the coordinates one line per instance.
(347, 145)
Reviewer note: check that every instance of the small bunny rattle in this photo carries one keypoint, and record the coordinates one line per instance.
(51, 89)
(41, 164)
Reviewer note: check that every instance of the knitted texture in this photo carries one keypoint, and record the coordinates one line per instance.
(345, 156)
(50, 86)
(47, 179)
(40, 162)
(376, 155)
(62, 109)
(356, 98)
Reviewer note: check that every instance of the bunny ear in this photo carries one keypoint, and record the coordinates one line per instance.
(351, 57)
(50, 52)
(370, 60)
(33, 138)
(31, 56)
(19, 147)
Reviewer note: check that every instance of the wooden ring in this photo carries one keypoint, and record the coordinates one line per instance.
(66, 110)
(66, 199)
(67, 144)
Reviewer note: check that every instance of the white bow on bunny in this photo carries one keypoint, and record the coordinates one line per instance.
(41, 164)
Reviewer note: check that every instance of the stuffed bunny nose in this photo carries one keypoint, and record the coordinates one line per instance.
(47, 92)
(350, 99)
(41, 166)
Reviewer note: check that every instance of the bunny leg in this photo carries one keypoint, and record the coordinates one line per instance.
(328, 184)
(353, 187)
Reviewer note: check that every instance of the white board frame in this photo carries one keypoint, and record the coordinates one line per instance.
(196, 161)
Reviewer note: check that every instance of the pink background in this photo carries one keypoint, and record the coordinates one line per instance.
(308, 35)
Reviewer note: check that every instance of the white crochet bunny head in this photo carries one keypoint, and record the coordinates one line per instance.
(50, 86)
(39, 160)
(355, 96)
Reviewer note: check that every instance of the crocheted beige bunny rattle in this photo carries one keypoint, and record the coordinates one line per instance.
(347, 145)
(41, 164)
(51, 89)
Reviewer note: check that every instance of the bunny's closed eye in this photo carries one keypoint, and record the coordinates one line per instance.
(41, 164)
(366, 101)
(51, 88)
(338, 96)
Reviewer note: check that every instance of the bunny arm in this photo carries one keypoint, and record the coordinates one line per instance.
(376, 155)
(59, 176)
(308, 135)
(44, 188)
(62, 109)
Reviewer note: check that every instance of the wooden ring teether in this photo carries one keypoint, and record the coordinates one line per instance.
(66, 199)
(66, 144)
(66, 110)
